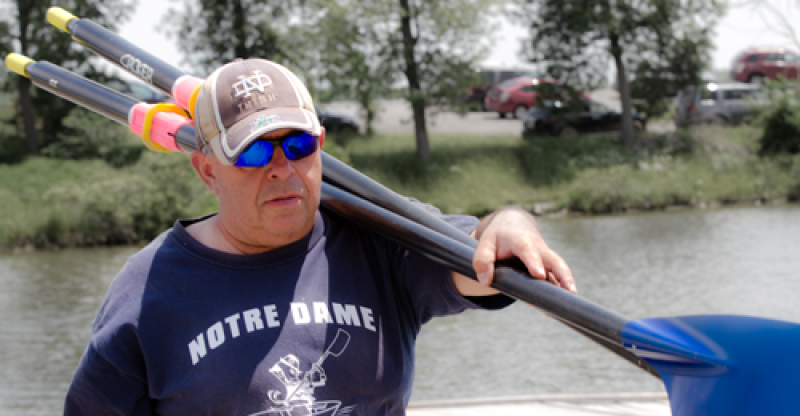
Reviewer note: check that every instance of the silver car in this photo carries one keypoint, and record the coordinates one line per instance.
(718, 103)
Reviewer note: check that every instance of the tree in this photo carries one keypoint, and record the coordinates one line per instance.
(424, 49)
(436, 51)
(349, 57)
(680, 66)
(27, 32)
(427, 47)
(576, 40)
(213, 32)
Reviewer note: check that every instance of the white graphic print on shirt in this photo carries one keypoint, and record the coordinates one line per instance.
(298, 399)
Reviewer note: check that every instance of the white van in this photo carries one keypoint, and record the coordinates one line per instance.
(718, 103)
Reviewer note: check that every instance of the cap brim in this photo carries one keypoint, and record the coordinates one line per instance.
(236, 139)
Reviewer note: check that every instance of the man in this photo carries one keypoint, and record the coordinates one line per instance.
(271, 306)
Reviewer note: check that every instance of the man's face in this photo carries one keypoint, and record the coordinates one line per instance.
(267, 207)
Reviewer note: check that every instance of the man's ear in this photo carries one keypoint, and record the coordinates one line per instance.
(322, 137)
(204, 167)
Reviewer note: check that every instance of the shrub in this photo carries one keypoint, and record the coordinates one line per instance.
(91, 136)
(781, 130)
(12, 147)
(780, 119)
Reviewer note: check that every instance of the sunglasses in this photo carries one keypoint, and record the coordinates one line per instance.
(297, 145)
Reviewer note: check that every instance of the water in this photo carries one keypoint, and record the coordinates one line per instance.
(47, 302)
(737, 260)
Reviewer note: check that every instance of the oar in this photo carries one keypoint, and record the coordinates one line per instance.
(126, 55)
(173, 132)
(712, 364)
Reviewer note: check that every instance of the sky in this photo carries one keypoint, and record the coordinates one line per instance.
(739, 29)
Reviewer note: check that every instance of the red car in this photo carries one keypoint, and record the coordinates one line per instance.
(756, 64)
(515, 96)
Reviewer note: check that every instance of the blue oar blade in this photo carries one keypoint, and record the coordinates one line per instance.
(722, 364)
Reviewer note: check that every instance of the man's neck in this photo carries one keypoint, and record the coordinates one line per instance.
(213, 234)
(209, 233)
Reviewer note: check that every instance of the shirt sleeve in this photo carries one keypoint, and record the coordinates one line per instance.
(111, 377)
(430, 284)
(99, 387)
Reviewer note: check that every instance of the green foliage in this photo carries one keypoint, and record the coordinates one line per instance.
(92, 136)
(213, 32)
(345, 62)
(464, 175)
(664, 41)
(781, 119)
(53, 203)
(26, 31)
(781, 130)
(682, 62)
(12, 146)
(721, 168)
(57, 203)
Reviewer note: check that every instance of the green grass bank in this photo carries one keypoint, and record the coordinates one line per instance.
(51, 203)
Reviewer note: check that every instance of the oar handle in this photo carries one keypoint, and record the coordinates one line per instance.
(128, 56)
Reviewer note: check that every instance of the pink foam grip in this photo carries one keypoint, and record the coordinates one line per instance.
(165, 125)
(183, 88)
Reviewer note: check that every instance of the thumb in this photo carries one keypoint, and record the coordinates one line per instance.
(483, 261)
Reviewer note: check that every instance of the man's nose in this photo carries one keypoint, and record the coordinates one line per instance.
(280, 166)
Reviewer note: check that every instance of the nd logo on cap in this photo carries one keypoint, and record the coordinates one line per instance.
(257, 81)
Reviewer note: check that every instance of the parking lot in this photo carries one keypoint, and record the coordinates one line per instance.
(394, 117)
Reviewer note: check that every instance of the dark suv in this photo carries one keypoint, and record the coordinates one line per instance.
(755, 65)
(490, 77)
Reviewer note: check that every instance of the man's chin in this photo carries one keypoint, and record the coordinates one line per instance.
(290, 225)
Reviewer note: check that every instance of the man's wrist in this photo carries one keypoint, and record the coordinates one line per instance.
(485, 221)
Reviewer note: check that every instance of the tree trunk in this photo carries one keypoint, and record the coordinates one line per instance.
(628, 133)
(28, 115)
(240, 49)
(414, 89)
(24, 84)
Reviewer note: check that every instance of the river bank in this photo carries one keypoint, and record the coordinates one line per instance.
(51, 203)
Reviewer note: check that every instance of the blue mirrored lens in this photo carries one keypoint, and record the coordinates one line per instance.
(297, 145)
(257, 155)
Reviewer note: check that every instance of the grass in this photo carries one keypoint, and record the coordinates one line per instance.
(464, 175)
(57, 203)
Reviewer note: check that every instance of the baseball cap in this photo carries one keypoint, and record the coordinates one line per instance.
(246, 98)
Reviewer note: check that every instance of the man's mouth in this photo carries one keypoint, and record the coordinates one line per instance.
(284, 199)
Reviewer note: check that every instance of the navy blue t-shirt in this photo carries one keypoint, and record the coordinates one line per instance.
(324, 326)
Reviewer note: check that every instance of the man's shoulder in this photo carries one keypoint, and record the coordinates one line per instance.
(136, 269)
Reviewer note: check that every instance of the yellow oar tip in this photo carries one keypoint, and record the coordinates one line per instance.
(59, 18)
(17, 63)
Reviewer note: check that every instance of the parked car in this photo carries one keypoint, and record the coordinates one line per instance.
(515, 96)
(489, 77)
(576, 116)
(718, 103)
(138, 91)
(337, 122)
(756, 64)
